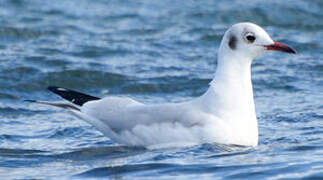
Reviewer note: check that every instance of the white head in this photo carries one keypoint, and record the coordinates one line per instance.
(248, 41)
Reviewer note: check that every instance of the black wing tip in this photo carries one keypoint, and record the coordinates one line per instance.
(52, 87)
(71, 95)
(30, 100)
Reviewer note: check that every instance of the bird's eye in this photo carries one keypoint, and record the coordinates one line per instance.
(250, 38)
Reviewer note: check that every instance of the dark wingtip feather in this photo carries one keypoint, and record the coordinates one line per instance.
(51, 88)
(29, 100)
(71, 95)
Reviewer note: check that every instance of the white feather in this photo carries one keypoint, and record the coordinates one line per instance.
(224, 114)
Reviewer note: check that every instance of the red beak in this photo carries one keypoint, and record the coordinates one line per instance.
(277, 46)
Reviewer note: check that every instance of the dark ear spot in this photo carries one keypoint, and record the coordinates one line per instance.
(233, 42)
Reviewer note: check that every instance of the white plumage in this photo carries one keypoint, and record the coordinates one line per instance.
(224, 114)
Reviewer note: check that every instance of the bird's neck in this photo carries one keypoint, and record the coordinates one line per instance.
(230, 97)
(230, 94)
(236, 73)
(231, 86)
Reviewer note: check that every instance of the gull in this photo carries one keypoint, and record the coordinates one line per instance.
(224, 114)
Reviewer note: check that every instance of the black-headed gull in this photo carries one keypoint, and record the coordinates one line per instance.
(224, 114)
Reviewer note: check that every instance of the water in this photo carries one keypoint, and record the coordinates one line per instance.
(155, 51)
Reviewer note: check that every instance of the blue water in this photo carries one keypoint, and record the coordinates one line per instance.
(154, 51)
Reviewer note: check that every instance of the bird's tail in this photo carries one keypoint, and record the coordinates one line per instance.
(76, 100)
(64, 105)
